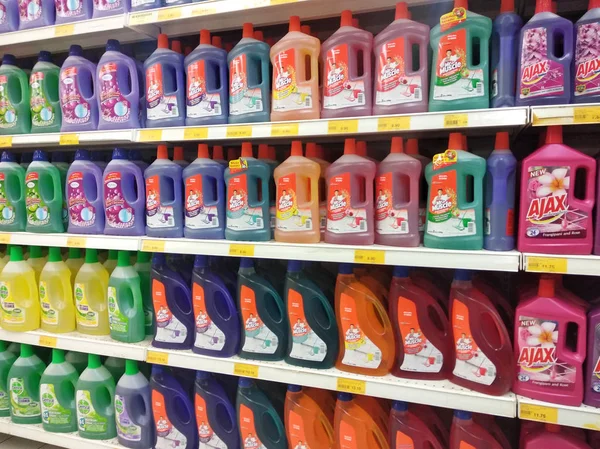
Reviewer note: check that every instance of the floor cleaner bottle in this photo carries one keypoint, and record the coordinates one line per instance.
(306, 423)
(12, 194)
(91, 289)
(57, 394)
(15, 112)
(84, 196)
(111, 261)
(44, 101)
(586, 87)
(104, 8)
(34, 14)
(312, 154)
(78, 360)
(265, 156)
(43, 196)
(143, 268)
(56, 295)
(10, 16)
(408, 430)
(73, 11)
(7, 358)
(467, 434)
(355, 425)
(24, 384)
(36, 260)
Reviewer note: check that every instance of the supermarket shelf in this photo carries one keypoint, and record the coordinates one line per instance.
(113, 137)
(584, 416)
(568, 114)
(71, 240)
(564, 264)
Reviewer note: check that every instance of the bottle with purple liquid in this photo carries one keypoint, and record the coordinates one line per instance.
(84, 196)
(103, 8)
(9, 15)
(77, 93)
(73, 10)
(36, 13)
(587, 56)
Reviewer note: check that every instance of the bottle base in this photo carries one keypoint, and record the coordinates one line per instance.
(474, 243)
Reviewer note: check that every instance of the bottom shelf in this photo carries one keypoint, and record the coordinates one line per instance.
(584, 416)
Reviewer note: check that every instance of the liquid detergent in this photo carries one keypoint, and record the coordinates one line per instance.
(215, 312)
(59, 160)
(586, 87)
(465, 433)
(12, 194)
(453, 222)
(44, 101)
(259, 423)
(204, 215)
(20, 301)
(24, 385)
(552, 436)
(265, 156)
(136, 157)
(545, 58)
(15, 117)
(103, 8)
(133, 407)
(408, 430)
(73, 11)
(57, 393)
(10, 16)
(111, 261)
(43, 196)
(7, 358)
(84, 196)
(125, 305)
(312, 154)
(115, 366)
(95, 391)
(173, 412)
(306, 423)
(117, 87)
(124, 198)
(503, 53)
(33, 14)
(249, 80)
(143, 268)
(36, 260)
(350, 181)
(78, 360)
(207, 98)
(215, 414)
(76, 90)
(164, 214)
(247, 180)
(488, 286)
(551, 218)
(460, 69)
(56, 295)
(91, 289)
(483, 354)
(431, 416)
(355, 426)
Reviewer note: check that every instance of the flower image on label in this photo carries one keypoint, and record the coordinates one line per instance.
(38, 213)
(8, 113)
(167, 435)
(75, 109)
(107, 5)
(11, 314)
(49, 314)
(393, 85)
(81, 212)
(258, 337)
(208, 334)
(116, 320)
(42, 112)
(539, 76)
(248, 433)
(288, 95)
(342, 218)
(88, 419)
(114, 107)
(29, 10)
(290, 217)
(207, 436)
(86, 316)
(126, 428)
(68, 8)
(360, 350)
(22, 402)
(242, 99)
(306, 344)
(339, 92)
(240, 216)
(388, 220)
(52, 411)
(200, 103)
(7, 210)
(158, 215)
(119, 213)
(3, 16)
(159, 105)
(198, 215)
(168, 327)
(587, 59)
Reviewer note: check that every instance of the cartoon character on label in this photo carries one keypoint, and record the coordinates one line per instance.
(301, 445)
(202, 322)
(251, 442)
(465, 352)
(413, 344)
(204, 432)
(300, 330)
(252, 325)
(163, 427)
(353, 334)
(338, 201)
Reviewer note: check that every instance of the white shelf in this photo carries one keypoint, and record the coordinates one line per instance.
(114, 137)
(568, 114)
(563, 264)
(585, 417)
(66, 240)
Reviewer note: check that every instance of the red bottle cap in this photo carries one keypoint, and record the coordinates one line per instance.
(203, 150)
(546, 287)
(320, 152)
(553, 428)
(397, 145)
(350, 146)
(306, 29)
(554, 135)
(543, 6)
(163, 41)
(246, 149)
(248, 30)
(232, 153)
(355, 23)
(216, 42)
(502, 141)
(296, 148)
(311, 149)
(187, 50)
(263, 151)
(465, 143)
(272, 154)
(412, 146)
(218, 152)
(204, 37)
(455, 142)
(162, 152)
(461, 4)
(346, 18)
(594, 4)
(176, 46)
(401, 11)
(259, 36)
(178, 154)
(228, 47)
(554, 7)
(507, 6)
(295, 24)
(361, 148)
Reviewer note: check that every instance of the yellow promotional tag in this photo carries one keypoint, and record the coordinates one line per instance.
(68, 139)
(47, 341)
(141, 18)
(203, 11)
(195, 133)
(236, 132)
(546, 264)
(372, 256)
(5, 141)
(241, 250)
(160, 358)
(393, 123)
(284, 129)
(342, 126)
(351, 386)
(64, 30)
(76, 242)
(245, 370)
(4, 238)
(538, 413)
(169, 14)
(153, 246)
(587, 115)
(456, 121)
(151, 135)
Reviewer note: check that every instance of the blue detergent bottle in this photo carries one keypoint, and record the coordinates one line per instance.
(165, 87)
(215, 414)
(172, 299)
(35, 14)
(586, 87)
(216, 315)
(249, 80)
(173, 412)
(9, 20)
(84, 196)
(164, 210)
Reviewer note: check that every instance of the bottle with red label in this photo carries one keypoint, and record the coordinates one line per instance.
(295, 59)
(306, 423)
(467, 434)
(592, 370)
(587, 61)
(346, 71)
(408, 430)
(84, 196)
(483, 356)
(401, 80)
(552, 220)
(354, 427)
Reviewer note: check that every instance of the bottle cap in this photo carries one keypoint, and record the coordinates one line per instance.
(272, 153)
(246, 262)
(217, 42)
(143, 257)
(26, 350)
(75, 50)
(59, 156)
(259, 36)
(120, 153)
(361, 148)
(296, 148)
(204, 37)
(74, 253)
(397, 145)
(502, 141)
(460, 414)
(412, 146)
(113, 45)
(263, 151)
(9, 59)
(203, 151)
(202, 375)
(163, 41)
(306, 30)
(58, 355)
(311, 149)
(294, 266)
(355, 23)
(44, 56)
(218, 152)
(2, 346)
(461, 4)
(247, 149)
(82, 155)
(178, 153)
(554, 6)
(546, 287)
(91, 255)
(7, 156)
(35, 252)
(463, 275)
(16, 253)
(248, 30)
(232, 153)
(350, 146)
(400, 406)
(465, 143)
(543, 6)
(593, 4)
(554, 135)
(54, 254)
(345, 397)
(201, 261)
(162, 152)
(244, 382)
(401, 10)
(94, 361)
(320, 152)
(123, 260)
(159, 259)
(176, 46)
(40, 155)
(295, 23)
(455, 142)
(294, 388)
(131, 367)
(507, 6)
(113, 254)
(346, 268)
(400, 272)
(346, 18)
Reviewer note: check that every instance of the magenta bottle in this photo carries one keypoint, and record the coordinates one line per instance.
(587, 56)
(84, 196)
(36, 13)
(77, 93)
(592, 373)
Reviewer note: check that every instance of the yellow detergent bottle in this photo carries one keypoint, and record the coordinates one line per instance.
(74, 262)
(56, 295)
(36, 261)
(91, 288)
(19, 295)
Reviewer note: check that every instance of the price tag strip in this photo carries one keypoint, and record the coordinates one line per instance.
(538, 264)
(539, 413)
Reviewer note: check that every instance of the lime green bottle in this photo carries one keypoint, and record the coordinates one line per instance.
(15, 117)
(7, 358)
(111, 262)
(43, 196)
(116, 367)
(74, 262)
(79, 360)
(44, 101)
(57, 392)
(24, 385)
(143, 268)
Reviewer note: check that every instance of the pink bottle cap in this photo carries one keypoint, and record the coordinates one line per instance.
(455, 142)
(204, 37)
(263, 151)
(350, 146)
(295, 24)
(246, 149)
(543, 6)
(546, 287)
(296, 148)
(218, 152)
(162, 152)
(507, 6)
(248, 30)
(346, 18)
(216, 41)
(397, 145)
(502, 141)
(361, 148)
(554, 135)
(401, 11)
(178, 153)
(311, 149)
(176, 46)
(203, 150)
(412, 146)
(259, 36)
(163, 41)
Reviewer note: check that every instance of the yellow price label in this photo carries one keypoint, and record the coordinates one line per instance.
(64, 30)
(342, 126)
(150, 135)
(153, 246)
(284, 129)
(281, 2)
(141, 18)
(160, 358)
(587, 115)
(351, 386)
(169, 14)
(203, 11)
(235, 132)
(245, 370)
(68, 139)
(4, 238)
(372, 256)
(546, 264)
(241, 250)
(76, 242)
(47, 341)
(456, 120)
(393, 123)
(5, 141)
(539, 413)
(195, 133)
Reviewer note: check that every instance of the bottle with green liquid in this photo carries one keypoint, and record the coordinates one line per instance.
(43, 196)
(7, 359)
(44, 101)
(143, 267)
(115, 366)
(24, 385)
(15, 112)
(78, 360)
(57, 393)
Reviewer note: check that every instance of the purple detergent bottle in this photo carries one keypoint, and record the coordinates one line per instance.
(84, 196)
(77, 93)
(136, 157)
(98, 158)
(73, 10)
(165, 87)
(123, 196)
(9, 15)
(592, 375)
(103, 8)
(587, 56)
(544, 74)
(117, 85)
(164, 209)
(36, 13)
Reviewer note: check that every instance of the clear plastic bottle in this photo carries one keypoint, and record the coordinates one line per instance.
(44, 196)
(57, 394)
(90, 291)
(24, 386)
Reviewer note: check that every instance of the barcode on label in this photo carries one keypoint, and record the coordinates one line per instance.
(259, 105)
(308, 224)
(404, 226)
(361, 98)
(479, 88)
(259, 222)
(308, 102)
(323, 222)
(363, 225)
(273, 221)
(215, 221)
(471, 228)
(218, 109)
(418, 93)
(439, 359)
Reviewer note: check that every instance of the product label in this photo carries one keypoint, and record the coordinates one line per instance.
(10, 312)
(138, 3)
(539, 76)
(30, 10)
(42, 112)
(207, 436)
(453, 78)
(7, 210)
(471, 363)
(159, 105)
(75, 109)
(242, 99)
(494, 85)
(49, 314)
(38, 213)
(347, 436)
(240, 216)
(595, 378)
(88, 419)
(290, 217)
(106, 5)
(306, 344)
(3, 16)
(81, 212)
(587, 60)
(403, 441)
(296, 431)
(114, 107)
(21, 401)
(259, 338)
(119, 213)
(4, 400)
(126, 428)
(288, 95)
(342, 218)
(510, 222)
(168, 327)
(393, 85)
(359, 349)
(339, 92)
(167, 435)
(388, 219)
(86, 316)
(157, 214)
(52, 411)
(453, 18)
(208, 334)
(116, 320)
(198, 215)
(68, 8)
(199, 102)
(248, 433)
(8, 113)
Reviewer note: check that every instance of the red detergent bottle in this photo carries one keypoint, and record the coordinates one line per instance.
(467, 434)
(408, 431)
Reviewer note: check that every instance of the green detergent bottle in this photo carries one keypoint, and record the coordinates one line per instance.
(12, 194)
(95, 409)
(24, 385)
(79, 360)
(43, 196)
(57, 393)
(143, 267)
(116, 367)
(460, 76)
(44, 101)
(7, 358)
(15, 117)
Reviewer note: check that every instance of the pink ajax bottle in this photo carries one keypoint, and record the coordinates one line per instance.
(552, 437)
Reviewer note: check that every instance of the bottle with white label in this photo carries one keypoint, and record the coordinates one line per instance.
(56, 295)
(24, 387)
(57, 395)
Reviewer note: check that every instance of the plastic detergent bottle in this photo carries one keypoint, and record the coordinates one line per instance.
(95, 393)
(484, 359)
(355, 426)
(44, 101)
(545, 59)
(124, 198)
(264, 156)
(397, 198)
(259, 423)
(142, 5)
(164, 214)
(59, 160)
(460, 77)
(36, 260)
(111, 261)
(204, 215)
(587, 61)
(133, 407)
(125, 305)
(247, 206)
(306, 423)
(15, 112)
(143, 269)
(77, 93)
(56, 295)
(350, 196)
(73, 11)
(84, 196)
(215, 414)
(592, 370)
(465, 433)
(43, 196)
(117, 87)
(207, 97)
(452, 221)
(57, 394)
(365, 331)
(408, 430)
(552, 436)
(74, 262)
(295, 59)
(9, 19)
(215, 313)
(34, 14)
(312, 154)
(552, 219)
(12, 194)
(173, 412)
(550, 373)
(24, 385)
(91, 289)
(20, 301)
(115, 366)
(103, 8)
(503, 53)
(249, 80)
(7, 358)
(179, 157)
(79, 360)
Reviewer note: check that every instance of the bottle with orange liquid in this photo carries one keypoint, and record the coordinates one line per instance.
(306, 423)
(355, 428)
(312, 152)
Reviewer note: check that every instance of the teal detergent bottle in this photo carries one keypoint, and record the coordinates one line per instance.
(57, 395)
(43, 196)
(44, 101)
(15, 112)
(7, 359)
(24, 385)
(12, 194)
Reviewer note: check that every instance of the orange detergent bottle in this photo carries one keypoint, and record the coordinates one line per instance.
(306, 423)
(354, 427)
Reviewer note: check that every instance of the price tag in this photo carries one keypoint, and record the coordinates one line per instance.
(76, 242)
(342, 126)
(5, 141)
(372, 256)
(546, 264)
(456, 121)
(141, 18)
(47, 341)
(241, 250)
(203, 11)
(195, 133)
(284, 129)
(282, 2)
(235, 132)
(169, 14)
(538, 413)
(159, 358)
(153, 246)
(64, 30)
(5, 239)
(69, 139)
(351, 386)
(587, 115)
(150, 135)
(393, 123)
(245, 370)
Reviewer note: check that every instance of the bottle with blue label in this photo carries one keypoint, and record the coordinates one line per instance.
(103, 8)
(586, 89)
(73, 10)
(15, 112)
(84, 196)
(57, 393)
(43, 196)
(36, 13)
(12, 194)
(7, 359)
(9, 16)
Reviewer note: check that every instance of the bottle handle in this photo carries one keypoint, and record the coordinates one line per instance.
(324, 422)
(141, 185)
(383, 317)
(381, 439)
(185, 291)
(274, 295)
(442, 317)
(229, 302)
(277, 421)
(500, 328)
(230, 414)
(57, 185)
(322, 300)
